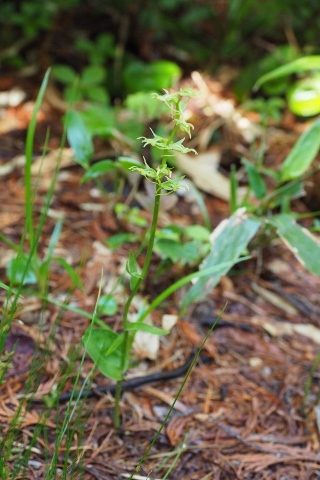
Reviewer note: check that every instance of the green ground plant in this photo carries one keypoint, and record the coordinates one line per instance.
(110, 350)
(303, 94)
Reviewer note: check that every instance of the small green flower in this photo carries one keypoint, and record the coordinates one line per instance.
(162, 143)
(177, 106)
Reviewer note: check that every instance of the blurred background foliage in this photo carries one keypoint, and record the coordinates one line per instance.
(122, 47)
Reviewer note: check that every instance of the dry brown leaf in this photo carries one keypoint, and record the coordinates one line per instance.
(274, 299)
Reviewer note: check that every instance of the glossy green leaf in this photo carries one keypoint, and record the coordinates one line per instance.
(300, 241)
(97, 342)
(144, 327)
(99, 169)
(229, 241)
(302, 154)
(79, 138)
(304, 64)
(304, 97)
(107, 305)
(255, 179)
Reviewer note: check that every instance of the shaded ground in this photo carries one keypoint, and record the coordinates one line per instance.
(245, 415)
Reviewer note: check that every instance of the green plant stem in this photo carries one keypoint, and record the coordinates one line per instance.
(126, 342)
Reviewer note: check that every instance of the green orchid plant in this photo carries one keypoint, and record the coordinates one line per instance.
(110, 350)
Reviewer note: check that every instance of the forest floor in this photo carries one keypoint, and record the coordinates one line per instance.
(244, 415)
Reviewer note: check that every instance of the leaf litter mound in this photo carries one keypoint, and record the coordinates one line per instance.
(246, 414)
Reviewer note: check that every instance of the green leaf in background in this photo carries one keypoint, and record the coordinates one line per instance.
(292, 190)
(300, 241)
(256, 181)
(98, 169)
(139, 76)
(107, 305)
(197, 232)
(19, 270)
(229, 241)
(144, 106)
(97, 342)
(99, 120)
(303, 64)
(93, 75)
(97, 93)
(144, 327)
(185, 253)
(302, 154)
(79, 138)
(304, 97)
(64, 74)
(126, 163)
(119, 239)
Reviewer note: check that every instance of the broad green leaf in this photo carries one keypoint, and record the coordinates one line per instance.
(304, 97)
(97, 342)
(93, 75)
(256, 181)
(79, 138)
(302, 154)
(139, 76)
(170, 232)
(116, 344)
(229, 241)
(126, 163)
(299, 240)
(97, 93)
(304, 64)
(19, 270)
(98, 169)
(70, 271)
(99, 120)
(107, 305)
(143, 105)
(197, 232)
(72, 94)
(186, 253)
(144, 327)
(64, 74)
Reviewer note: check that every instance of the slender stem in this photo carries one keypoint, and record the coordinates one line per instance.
(127, 336)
